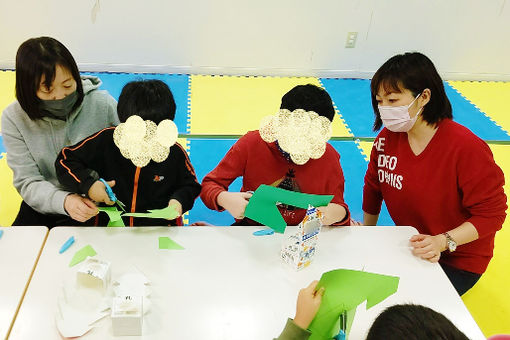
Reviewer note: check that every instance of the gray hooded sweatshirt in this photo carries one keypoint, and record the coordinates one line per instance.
(33, 145)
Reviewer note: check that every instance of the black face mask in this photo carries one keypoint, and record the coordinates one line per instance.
(59, 108)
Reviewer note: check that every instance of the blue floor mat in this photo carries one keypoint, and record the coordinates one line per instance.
(205, 154)
(354, 167)
(471, 117)
(352, 99)
(178, 83)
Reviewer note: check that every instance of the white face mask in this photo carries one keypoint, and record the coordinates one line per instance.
(397, 118)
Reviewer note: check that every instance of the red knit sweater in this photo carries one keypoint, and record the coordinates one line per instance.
(455, 179)
(259, 163)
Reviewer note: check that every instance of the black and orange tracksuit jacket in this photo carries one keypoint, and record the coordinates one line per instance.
(140, 189)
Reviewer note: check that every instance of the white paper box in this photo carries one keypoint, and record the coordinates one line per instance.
(94, 273)
(299, 249)
(127, 315)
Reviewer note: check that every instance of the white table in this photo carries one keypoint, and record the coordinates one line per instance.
(19, 251)
(229, 284)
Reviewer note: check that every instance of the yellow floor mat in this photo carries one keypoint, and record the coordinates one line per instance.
(224, 105)
(489, 301)
(489, 97)
(7, 93)
(9, 197)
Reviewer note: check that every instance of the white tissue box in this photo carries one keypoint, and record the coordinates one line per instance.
(127, 315)
(94, 273)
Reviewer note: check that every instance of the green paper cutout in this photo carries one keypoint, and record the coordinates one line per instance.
(114, 215)
(168, 213)
(344, 290)
(262, 205)
(167, 243)
(82, 254)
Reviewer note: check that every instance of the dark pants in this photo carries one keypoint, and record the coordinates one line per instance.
(28, 216)
(462, 280)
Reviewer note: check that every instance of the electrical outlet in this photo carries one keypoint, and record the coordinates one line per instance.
(351, 39)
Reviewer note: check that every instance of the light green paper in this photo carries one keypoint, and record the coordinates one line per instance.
(262, 205)
(167, 243)
(114, 215)
(168, 213)
(82, 254)
(345, 290)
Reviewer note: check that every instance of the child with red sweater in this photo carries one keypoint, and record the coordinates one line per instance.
(433, 173)
(262, 158)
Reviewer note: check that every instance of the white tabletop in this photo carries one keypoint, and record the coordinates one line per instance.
(19, 251)
(229, 284)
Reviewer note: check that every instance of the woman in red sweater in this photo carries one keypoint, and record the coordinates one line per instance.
(433, 173)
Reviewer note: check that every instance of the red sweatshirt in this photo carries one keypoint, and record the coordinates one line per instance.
(455, 179)
(259, 163)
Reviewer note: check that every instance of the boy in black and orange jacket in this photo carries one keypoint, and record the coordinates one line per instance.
(134, 157)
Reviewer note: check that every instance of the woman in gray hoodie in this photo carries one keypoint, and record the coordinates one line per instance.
(55, 107)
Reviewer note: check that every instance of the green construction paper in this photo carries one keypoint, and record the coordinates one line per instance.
(167, 243)
(168, 213)
(82, 254)
(344, 290)
(114, 215)
(262, 205)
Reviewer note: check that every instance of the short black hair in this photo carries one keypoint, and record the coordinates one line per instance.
(413, 322)
(415, 72)
(37, 57)
(310, 98)
(150, 99)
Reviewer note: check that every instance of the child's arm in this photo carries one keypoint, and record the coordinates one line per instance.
(188, 188)
(308, 304)
(218, 180)
(337, 211)
(76, 165)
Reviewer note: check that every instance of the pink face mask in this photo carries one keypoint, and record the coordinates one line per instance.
(397, 118)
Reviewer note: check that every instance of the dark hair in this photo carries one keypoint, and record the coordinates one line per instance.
(415, 72)
(150, 99)
(37, 57)
(310, 98)
(413, 322)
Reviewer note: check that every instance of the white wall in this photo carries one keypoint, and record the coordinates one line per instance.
(467, 39)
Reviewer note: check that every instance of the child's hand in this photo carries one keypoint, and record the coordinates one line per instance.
(332, 213)
(97, 192)
(234, 202)
(428, 247)
(308, 303)
(79, 208)
(176, 205)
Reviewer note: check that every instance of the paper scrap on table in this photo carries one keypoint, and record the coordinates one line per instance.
(167, 243)
(262, 205)
(344, 291)
(114, 215)
(82, 254)
(168, 213)
(74, 322)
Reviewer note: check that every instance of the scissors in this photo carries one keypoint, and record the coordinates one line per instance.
(112, 196)
(343, 326)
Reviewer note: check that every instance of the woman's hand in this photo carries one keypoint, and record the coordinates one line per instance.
(234, 202)
(176, 205)
(308, 303)
(428, 247)
(79, 208)
(97, 192)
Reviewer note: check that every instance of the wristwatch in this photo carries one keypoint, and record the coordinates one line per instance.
(450, 242)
